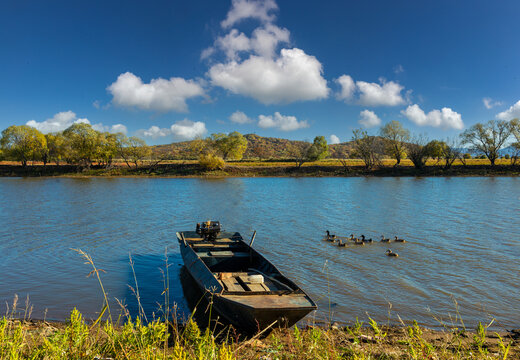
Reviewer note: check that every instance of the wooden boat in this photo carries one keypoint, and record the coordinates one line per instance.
(245, 289)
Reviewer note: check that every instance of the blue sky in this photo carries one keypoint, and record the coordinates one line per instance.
(170, 70)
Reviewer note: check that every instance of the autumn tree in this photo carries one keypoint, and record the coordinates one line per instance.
(396, 137)
(488, 138)
(418, 150)
(298, 152)
(23, 143)
(367, 148)
(450, 151)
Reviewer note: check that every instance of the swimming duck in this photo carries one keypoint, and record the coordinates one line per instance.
(330, 237)
(365, 240)
(391, 253)
(399, 240)
(341, 243)
(353, 238)
(383, 239)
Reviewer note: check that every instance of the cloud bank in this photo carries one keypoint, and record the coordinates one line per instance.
(281, 122)
(64, 119)
(369, 119)
(445, 118)
(181, 131)
(512, 113)
(370, 94)
(158, 95)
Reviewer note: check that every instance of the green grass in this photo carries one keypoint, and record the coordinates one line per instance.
(123, 337)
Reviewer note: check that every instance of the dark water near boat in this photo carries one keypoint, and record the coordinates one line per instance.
(463, 242)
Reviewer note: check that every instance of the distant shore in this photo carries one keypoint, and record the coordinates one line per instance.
(239, 169)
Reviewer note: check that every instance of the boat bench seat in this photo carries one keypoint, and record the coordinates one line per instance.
(240, 282)
(223, 254)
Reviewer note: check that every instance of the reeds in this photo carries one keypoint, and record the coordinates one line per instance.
(165, 338)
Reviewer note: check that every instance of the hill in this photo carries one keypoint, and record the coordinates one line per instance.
(258, 147)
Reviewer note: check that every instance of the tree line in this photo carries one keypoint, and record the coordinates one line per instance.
(79, 144)
(486, 139)
(82, 145)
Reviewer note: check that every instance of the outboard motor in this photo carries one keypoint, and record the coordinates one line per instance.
(209, 230)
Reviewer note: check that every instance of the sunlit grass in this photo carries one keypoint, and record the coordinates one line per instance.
(164, 338)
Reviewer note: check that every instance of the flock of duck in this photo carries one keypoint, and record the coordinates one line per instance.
(343, 241)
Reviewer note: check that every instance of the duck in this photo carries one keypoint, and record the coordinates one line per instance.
(399, 240)
(330, 237)
(383, 239)
(341, 243)
(365, 240)
(356, 240)
(391, 253)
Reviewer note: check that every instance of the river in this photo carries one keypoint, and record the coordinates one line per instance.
(461, 257)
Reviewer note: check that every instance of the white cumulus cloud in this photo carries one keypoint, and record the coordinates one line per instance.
(239, 117)
(348, 87)
(64, 119)
(445, 118)
(334, 139)
(281, 122)
(154, 132)
(188, 130)
(370, 94)
(294, 76)
(160, 94)
(369, 119)
(511, 113)
(489, 103)
(246, 9)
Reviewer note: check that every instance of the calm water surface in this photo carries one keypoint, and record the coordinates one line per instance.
(463, 241)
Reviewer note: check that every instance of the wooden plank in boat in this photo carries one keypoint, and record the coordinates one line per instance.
(232, 284)
(193, 239)
(252, 286)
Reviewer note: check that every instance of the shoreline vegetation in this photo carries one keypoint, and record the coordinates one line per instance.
(77, 338)
(485, 149)
(323, 168)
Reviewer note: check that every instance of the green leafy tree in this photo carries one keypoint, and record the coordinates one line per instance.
(396, 137)
(106, 148)
(137, 150)
(488, 138)
(131, 149)
(55, 147)
(318, 150)
(367, 148)
(23, 143)
(231, 146)
(436, 149)
(81, 143)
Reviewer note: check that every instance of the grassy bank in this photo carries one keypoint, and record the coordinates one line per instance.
(353, 168)
(77, 339)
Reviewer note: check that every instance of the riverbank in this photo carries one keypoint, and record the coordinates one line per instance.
(79, 339)
(238, 169)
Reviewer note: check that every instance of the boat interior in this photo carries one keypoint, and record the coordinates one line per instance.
(238, 267)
